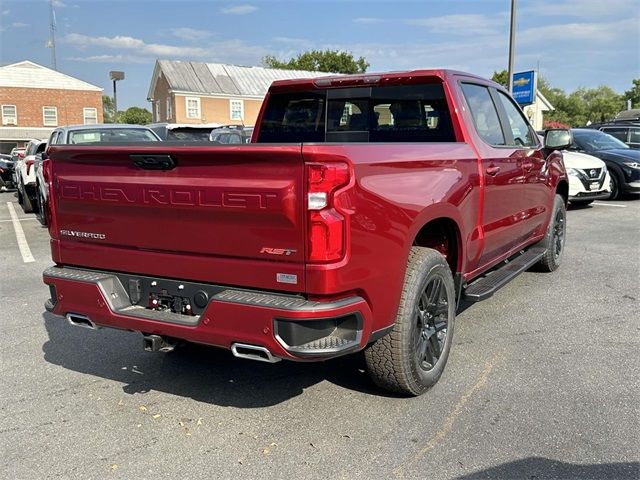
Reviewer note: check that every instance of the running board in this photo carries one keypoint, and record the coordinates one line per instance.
(486, 286)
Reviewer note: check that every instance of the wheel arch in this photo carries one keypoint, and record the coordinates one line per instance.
(442, 234)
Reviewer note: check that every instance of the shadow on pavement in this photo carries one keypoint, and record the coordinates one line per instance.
(536, 468)
(206, 374)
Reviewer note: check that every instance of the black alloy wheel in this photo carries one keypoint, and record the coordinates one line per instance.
(432, 311)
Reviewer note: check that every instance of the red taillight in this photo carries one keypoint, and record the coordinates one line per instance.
(327, 223)
(29, 164)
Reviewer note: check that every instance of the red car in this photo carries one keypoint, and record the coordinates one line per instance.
(366, 210)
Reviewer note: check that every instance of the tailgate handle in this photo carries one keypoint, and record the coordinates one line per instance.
(153, 162)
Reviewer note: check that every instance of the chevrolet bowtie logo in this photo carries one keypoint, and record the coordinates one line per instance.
(521, 81)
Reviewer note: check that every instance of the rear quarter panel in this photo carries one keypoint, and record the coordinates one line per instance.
(398, 189)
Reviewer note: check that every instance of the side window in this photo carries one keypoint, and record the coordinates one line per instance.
(520, 129)
(619, 133)
(483, 111)
(634, 136)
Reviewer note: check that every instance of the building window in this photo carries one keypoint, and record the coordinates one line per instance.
(193, 107)
(9, 115)
(90, 115)
(50, 116)
(237, 109)
(169, 112)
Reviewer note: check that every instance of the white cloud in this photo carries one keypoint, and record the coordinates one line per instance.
(368, 20)
(581, 8)
(191, 34)
(19, 25)
(590, 33)
(131, 43)
(59, 3)
(463, 24)
(113, 59)
(294, 42)
(6, 12)
(239, 9)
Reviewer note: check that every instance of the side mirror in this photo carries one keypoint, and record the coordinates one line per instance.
(558, 139)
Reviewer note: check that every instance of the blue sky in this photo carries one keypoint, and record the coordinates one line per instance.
(574, 42)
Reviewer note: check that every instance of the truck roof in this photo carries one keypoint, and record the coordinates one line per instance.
(369, 78)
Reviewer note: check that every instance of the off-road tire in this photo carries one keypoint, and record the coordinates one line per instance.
(554, 246)
(392, 361)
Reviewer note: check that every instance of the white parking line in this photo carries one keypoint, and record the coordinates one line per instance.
(609, 205)
(25, 251)
(20, 219)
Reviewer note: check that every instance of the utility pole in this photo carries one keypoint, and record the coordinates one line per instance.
(512, 43)
(52, 35)
(115, 76)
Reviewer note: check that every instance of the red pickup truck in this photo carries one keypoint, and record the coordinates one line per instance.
(365, 212)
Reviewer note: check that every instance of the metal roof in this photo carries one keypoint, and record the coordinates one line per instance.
(27, 74)
(19, 133)
(222, 79)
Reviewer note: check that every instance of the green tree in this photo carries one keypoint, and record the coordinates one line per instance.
(501, 77)
(107, 109)
(137, 115)
(333, 61)
(633, 93)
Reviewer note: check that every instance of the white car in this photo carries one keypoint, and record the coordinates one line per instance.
(588, 178)
(25, 175)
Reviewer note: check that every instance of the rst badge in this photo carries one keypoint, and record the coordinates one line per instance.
(278, 251)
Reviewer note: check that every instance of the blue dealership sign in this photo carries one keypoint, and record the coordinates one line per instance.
(524, 87)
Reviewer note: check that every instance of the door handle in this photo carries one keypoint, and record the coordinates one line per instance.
(492, 170)
(527, 166)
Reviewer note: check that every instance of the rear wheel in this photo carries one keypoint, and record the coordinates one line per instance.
(412, 357)
(553, 241)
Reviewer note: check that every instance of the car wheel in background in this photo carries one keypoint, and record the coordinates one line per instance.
(411, 358)
(27, 206)
(41, 213)
(614, 184)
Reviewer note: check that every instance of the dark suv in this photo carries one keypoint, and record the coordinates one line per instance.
(625, 127)
(231, 134)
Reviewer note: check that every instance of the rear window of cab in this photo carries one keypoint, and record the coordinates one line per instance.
(408, 113)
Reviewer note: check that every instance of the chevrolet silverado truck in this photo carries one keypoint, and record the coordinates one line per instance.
(365, 212)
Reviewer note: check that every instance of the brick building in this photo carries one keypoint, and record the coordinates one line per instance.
(35, 99)
(196, 92)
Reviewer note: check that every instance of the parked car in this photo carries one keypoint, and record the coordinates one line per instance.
(25, 176)
(369, 209)
(17, 152)
(588, 178)
(625, 127)
(183, 132)
(231, 134)
(6, 172)
(83, 135)
(623, 162)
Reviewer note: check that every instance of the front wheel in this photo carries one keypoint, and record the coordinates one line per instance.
(553, 241)
(614, 185)
(411, 358)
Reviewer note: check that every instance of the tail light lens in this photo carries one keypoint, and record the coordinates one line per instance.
(327, 223)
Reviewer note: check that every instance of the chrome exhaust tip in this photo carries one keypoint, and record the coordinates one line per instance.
(78, 320)
(253, 352)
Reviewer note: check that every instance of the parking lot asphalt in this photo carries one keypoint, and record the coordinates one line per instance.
(542, 382)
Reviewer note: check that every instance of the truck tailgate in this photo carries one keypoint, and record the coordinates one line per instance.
(223, 214)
